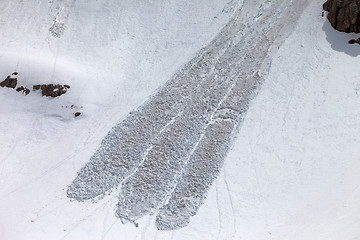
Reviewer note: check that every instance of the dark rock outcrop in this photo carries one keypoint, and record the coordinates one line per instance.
(9, 82)
(52, 90)
(344, 15)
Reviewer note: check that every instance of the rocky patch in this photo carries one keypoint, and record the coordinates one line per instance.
(24, 90)
(49, 90)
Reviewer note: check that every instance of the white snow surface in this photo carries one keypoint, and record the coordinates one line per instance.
(292, 173)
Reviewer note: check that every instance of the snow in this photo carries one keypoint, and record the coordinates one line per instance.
(292, 173)
(293, 168)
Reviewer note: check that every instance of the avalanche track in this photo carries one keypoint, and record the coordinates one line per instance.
(167, 153)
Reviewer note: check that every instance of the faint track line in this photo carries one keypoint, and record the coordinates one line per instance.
(231, 202)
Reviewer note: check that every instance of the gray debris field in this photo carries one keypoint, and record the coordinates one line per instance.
(166, 154)
(64, 8)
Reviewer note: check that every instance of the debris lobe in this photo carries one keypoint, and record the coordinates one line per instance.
(167, 153)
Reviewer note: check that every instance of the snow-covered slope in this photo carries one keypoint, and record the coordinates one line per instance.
(293, 171)
(291, 174)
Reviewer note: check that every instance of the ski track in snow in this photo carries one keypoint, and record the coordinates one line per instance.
(168, 152)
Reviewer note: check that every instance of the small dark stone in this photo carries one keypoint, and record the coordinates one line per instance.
(358, 40)
(15, 73)
(36, 87)
(77, 114)
(20, 89)
(26, 91)
(352, 41)
(67, 86)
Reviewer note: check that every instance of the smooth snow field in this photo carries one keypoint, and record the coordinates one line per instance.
(204, 120)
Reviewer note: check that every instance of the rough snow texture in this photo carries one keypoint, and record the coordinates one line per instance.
(172, 148)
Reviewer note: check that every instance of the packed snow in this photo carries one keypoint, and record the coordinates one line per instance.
(291, 173)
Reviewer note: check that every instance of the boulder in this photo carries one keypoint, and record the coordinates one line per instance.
(344, 15)
(52, 90)
(36, 87)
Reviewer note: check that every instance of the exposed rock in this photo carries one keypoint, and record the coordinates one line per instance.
(344, 15)
(9, 82)
(25, 90)
(52, 90)
(353, 41)
(20, 89)
(77, 114)
(49, 90)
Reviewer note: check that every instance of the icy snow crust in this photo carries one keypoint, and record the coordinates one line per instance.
(169, 151)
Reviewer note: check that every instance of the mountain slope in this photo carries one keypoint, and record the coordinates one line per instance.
(291, 172)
